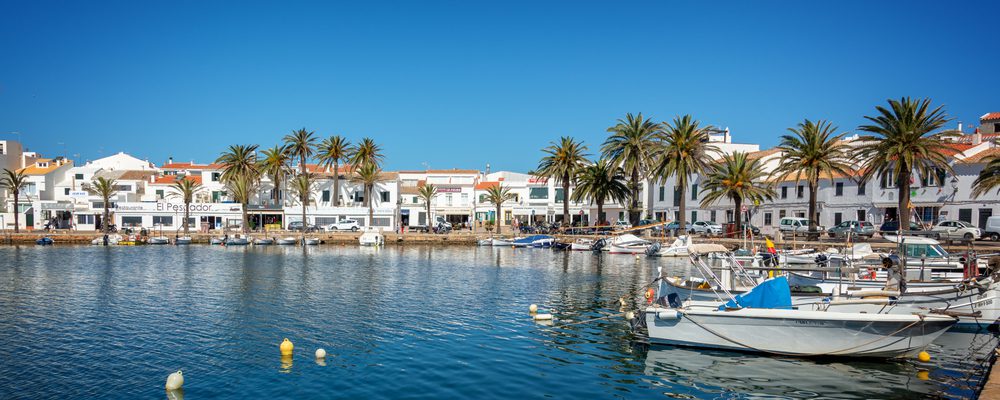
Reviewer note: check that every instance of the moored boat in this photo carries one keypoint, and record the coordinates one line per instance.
(182, 240)
(44, 241)
(286, 241)
(582, 244)
(371, 237)
(628, 244)
(158, 240)
(311, 241)
(263, 241)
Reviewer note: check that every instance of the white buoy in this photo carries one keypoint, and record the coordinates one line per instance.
(543, 317)
(175, 380)
(320, 353)
(533, 308)
(629, 315)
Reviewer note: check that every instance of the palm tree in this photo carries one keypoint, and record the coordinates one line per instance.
(274, 164)
(366, 152)
(601, 182)
(562, 162)
(301, 186)
(186, 189)
(629, 147)
(498, 195)
(301, 144)
(332, 151)
(105, 189)
(368, 175)
(243, 188)
(684, 150)
(239, 160)
(813, 151)
(988, 179)
(904, 141)
(427, 194)
(739, 179)
(14, 181)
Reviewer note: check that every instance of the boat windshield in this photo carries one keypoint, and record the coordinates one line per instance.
(925, 250)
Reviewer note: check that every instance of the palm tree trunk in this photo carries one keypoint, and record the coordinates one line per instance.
(336, 183)
(633, 213)
(738, 201)
(812, 210)
(600, 211)
(682, 208)
(104, 227)
(246, 222)
(17, 213)
(566, 200)
(904, 198)
(499, 220)
(428, 214)
(305, 197)
(187, 215)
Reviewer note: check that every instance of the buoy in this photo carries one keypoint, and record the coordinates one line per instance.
(175, 380)
(320, 353)
(629, 315)
(286, 347)
(924, 356)
(533, 308)
(636, 256)
(649, 295)
(543, 317)
(923, 375)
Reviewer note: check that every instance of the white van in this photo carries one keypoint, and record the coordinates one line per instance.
(992, 228)
(796, 225)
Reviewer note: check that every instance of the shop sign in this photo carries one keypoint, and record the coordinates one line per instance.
(166, 206)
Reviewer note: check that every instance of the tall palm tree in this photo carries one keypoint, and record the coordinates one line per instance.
(498, 195)
(368, 175)
(366, 152)
(243, 188)
(331, 152)
(301, 186)
(427, 194)
(813, 151)
(14, 181)
(239, 160)
(105, 189)
(629, 147)
(186, 189)
(988, 179)
(903, 140)
(739, 179)
(562, 162)
(274, 164)
(601, 182)
(302, 144)
(684, 150)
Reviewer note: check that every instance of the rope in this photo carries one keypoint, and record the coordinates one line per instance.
(581, 322)
(723, 337)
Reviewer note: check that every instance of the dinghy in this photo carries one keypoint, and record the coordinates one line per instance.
(182, 240)
(628, 244)
(287, 241)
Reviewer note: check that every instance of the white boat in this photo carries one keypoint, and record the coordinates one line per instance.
(371, 237)
(926, 253)
(263, 241)
(182, 240)
(582, 244)
(679, 248)
(217, 240)
(287, 241)
(763, 320)
(312, 241)
(628, 244)
(505, 241)
(158, 240)
(113, 239)
(237, 241)
(484, 242)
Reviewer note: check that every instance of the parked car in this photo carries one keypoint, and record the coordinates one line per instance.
(992, 230)
(674, 226)
(890, 227)
(753, 229)
(622, 224)
(297, 226)
(956, 230)
(796, 225)
(706, 228)
(344, 225)
(856, 228)
(656, 230)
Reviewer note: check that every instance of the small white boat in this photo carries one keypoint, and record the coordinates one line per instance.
(582, 244)
(371, 237)
(628, 244)
(113, 239)
(263, 241)
(182, 240)
(484, 242)
(287, 241)
(312, 241)
(217, 240)
(505, 241)
(679, 248)
(158, 240)
(237, 241)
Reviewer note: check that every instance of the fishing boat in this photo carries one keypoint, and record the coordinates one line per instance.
(534, 241)
(263, 241)
(484, 242)
(286, 241)
(158, 240)
(628, 244)
(237, 241)
(582, 244)
(311, 241)
(44, 241)
(217, 240)
(183, 240)
(505, 241)
(679, 248)
(763, 320)
(371, 237)
(113, 239)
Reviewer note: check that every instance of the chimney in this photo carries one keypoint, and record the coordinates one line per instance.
(977, 138)
(725, 137)
(170, 160)
(960, 127)
(487, 168)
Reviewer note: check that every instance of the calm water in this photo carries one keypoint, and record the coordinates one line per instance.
(419, 322)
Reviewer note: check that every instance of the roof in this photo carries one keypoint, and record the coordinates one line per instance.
(952, 149)
(170, 179)
(125, 175)
(756, 155)
(982, 156)
(190, 165)
(34, 169)
(989, 116)
(486, 185)
(790, 177)
(442, 171)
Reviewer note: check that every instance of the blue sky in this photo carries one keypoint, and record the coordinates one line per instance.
(460, 84)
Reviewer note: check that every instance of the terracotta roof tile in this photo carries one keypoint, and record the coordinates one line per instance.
(990, 116)
(170, 179)
(982, 156)
(34, 169)
(486, 185)
(187, 165)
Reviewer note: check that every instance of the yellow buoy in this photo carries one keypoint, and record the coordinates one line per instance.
(923, 375)
(533, 308)
(175, 380)
(924, 356)
(286, 347)
(320, 353)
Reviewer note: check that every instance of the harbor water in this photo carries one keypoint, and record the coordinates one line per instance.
(413, 322)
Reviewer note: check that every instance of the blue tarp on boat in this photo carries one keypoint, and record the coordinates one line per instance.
(772, 293)
(531, 239)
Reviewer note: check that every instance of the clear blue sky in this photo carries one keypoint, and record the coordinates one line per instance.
(463, 83)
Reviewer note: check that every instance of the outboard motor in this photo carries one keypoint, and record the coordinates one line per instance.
(653, 249)
(768, 259)
(821, 260)
(598, 245)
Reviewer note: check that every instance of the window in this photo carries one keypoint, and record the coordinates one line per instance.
(965, 214)
(447, 199)
(839, 189)
(483, 198)
(663, 190)
(79, 176)
(800, 191)
(784, 192)
(767, 219)
(216, 176)
(132, 221)
(381, 221)
(559, 195)
(384, 196)
(694, 192)
(677, 195)
(326, 196)
(729, 215)
(932, 177)
(159, 194)
(162, 220)
(84, 219)
(838, 218)
(781, 214)
(711, 215)
(123, 188)
(359, 196)
(861, 189)
(66, 191)
(861, 215)
(694, 215)
(465, 199)
(887, 182)
(416, 199)
(538, 193)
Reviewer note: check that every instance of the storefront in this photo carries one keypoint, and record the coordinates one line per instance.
(170, 215)
(56, 215)
(268, 217)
